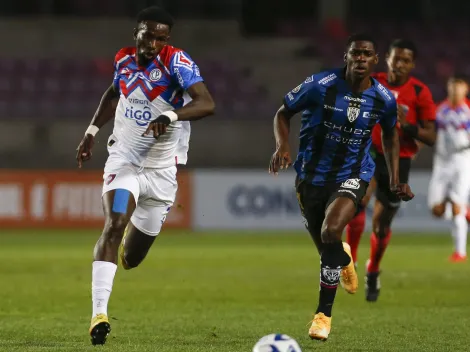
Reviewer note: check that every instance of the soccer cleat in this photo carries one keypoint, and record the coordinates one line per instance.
(348, 277)
(320, 328)
(99, 329)
(372, 285)
(457, 258)
(121, 251)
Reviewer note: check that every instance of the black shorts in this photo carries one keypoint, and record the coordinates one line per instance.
(383, 193)
(314, 200)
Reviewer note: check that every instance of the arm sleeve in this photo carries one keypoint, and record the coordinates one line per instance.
(302, 97)
(184, 70)
(389, 118)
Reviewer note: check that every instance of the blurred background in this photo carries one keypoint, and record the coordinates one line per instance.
(57, 61)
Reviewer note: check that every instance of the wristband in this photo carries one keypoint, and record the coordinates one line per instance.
(92, 129)
(171, 115)
(410, 130)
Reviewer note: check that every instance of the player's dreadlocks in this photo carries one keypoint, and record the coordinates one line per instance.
(155, 14)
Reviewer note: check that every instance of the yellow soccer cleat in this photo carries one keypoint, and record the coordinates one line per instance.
(99, 329)
(121, 251)
(348, 278)
(320, 328)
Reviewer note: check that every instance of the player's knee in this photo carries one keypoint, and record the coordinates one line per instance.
(439, 210)
(115, 226)
(380, 227)
(332, 232)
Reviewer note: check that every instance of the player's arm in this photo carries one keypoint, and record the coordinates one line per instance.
(391, 148)
(299, 99)
(200, 106)
(425, 130)
(104, 113)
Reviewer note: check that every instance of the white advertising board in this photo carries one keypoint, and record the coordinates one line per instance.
(256, 200)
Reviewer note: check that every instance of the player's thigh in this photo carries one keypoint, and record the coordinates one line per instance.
(342, 206)
(312, 203)
(120, 191)
(156, 202)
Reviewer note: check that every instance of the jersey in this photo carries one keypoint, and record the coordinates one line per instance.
(453, 128)
(146, 92)
(336, 125)
(417, 99)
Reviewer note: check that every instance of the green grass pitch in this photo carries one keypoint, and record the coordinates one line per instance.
(222, 292)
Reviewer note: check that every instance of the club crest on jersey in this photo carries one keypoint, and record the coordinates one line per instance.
(155, 75)
(352, 183)
(353, 112)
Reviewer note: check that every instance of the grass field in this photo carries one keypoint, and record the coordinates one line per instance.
(209, 292)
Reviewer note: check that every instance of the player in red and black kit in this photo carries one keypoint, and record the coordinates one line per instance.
(416, 115)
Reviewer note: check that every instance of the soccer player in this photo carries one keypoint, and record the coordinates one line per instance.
(159, 90)
(416, 115)
(340, 108)
(450, 181)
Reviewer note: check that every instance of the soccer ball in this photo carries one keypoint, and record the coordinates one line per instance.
(277, 343)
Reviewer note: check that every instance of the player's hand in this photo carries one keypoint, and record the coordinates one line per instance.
(403, 191)
(157, 126)
(84, 149)
(281, 159)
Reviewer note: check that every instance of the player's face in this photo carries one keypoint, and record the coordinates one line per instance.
(361, 58)
(400, 62)
(150, 39)
(457, 90)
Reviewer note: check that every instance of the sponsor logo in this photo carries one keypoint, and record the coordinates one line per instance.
(359, 100)
(352, 183)
(341, 128)
(155, 75)
(309, 79)
(297, 89)
(384, 91)
(370, 115)
(180, 78)
(290, 96)
(327, 107)
(138, 101)
(197, 72)
(141, 117)
(327, 79)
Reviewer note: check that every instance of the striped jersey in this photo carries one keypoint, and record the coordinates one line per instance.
(336, 125)
(453, 128)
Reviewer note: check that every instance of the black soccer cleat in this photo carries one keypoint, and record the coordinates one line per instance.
(100, 329)
(372, 286)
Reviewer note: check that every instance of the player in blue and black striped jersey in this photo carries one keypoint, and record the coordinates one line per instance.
(340, 107)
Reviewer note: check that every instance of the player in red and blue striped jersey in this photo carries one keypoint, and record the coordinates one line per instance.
(340, 108)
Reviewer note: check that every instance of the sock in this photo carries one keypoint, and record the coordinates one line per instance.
(354, 232)
(102, 285)
(377, 250)
(333, 258)
(459, 233)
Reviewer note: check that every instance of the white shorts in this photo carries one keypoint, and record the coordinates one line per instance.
(154, 191)
(450, 180)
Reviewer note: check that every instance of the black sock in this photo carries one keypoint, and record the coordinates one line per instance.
(332, 261)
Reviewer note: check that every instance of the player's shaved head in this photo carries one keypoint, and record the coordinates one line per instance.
(404, 44)
(155, 14)
(361, 37)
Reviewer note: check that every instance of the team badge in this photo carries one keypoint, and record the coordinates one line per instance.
(155, 75)
(353, 111)
(331, 274)
(352, 183)
(110, 178)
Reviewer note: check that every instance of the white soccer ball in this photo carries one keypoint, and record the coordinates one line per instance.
(277, 343)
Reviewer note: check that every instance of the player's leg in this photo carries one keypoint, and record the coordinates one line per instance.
(459, 193)
(356, 226)
(385, 209)
(149, 216)
(336, 261)
(120, 190)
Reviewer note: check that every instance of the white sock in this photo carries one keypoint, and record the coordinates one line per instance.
(102, 285)
(459, 233)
